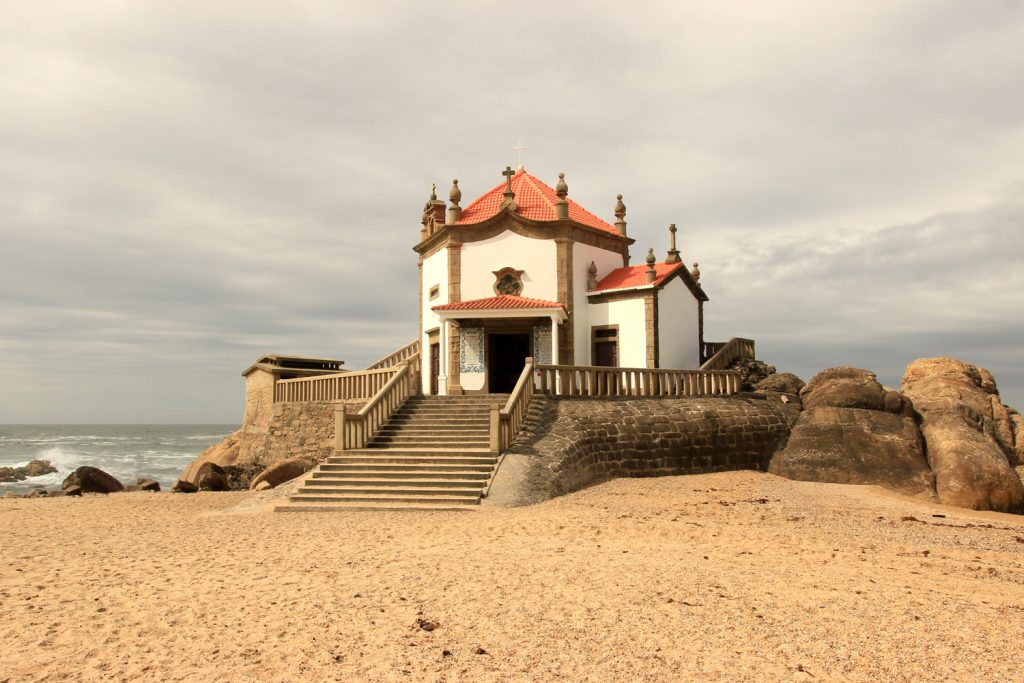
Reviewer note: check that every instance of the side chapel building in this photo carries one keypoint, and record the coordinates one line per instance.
(524, 271)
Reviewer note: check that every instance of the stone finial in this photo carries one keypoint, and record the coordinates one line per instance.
(433, 192)
(561, 205)
(561, 189)
(454, 196)
(651, 273)
(695, 273)
(620, 215)
(673, 253)
(592, 277)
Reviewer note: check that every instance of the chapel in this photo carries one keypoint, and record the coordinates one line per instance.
(524, 271)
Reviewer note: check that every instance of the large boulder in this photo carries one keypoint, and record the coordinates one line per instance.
(92, 480)
(222, 454)
(965, 436)
(211, 477)
(284, 470)
(782, 382)
(844, 388)
(856, 446)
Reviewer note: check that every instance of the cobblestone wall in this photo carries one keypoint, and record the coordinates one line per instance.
(567, 444)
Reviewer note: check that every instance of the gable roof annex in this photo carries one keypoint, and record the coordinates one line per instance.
(635, 278)
(534, 200)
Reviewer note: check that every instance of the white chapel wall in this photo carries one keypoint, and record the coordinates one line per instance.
(606, 262)
(630, 317)
(537, 258)
(435, 273)
(678, 327)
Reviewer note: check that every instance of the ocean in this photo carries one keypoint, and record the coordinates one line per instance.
(126, 451)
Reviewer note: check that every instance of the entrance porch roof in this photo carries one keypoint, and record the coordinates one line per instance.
(504, 306)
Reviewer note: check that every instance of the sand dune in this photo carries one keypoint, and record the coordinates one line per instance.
(738, 576)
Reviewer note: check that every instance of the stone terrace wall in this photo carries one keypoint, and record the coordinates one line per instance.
(299, 428)
(567, 444)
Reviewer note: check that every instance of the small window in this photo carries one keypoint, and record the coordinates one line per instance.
(435, 292)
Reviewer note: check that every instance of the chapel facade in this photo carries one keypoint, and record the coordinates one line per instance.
(524, 271)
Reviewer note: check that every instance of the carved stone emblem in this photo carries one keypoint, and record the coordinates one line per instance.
(508, 281)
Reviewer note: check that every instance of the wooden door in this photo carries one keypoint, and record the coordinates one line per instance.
(435, 367)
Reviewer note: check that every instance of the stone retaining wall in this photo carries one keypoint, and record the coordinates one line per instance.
(567, 444)
(299, 428)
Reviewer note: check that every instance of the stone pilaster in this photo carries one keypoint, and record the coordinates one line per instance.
(564, 285)
(651, 322)
(454, 273)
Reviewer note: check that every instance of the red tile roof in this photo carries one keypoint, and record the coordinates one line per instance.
(636, 276)
(534, 200)
(494, 303)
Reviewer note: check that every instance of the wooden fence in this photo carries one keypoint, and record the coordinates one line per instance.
(354, 430)
(581, 380)
(346, 385)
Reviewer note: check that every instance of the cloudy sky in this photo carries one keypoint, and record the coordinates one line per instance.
(187, 185)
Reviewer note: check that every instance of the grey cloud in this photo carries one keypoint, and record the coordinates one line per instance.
(184, 186)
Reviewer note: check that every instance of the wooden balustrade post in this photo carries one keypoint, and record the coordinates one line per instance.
(339, 427)
(495, 429)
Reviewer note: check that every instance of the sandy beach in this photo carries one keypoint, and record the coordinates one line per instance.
(737, 576)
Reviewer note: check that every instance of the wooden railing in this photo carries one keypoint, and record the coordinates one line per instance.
(346, 385)
(582, 380)
(506, 422)
(397, 357)
(728, 353)
(354, 430)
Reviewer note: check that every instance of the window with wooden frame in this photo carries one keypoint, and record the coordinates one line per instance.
(604, 346)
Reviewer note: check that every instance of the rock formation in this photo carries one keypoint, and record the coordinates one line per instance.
(969, 435)
(92, 480)
(34, 468)
(282, 471)
(220, 454)
(854, 431)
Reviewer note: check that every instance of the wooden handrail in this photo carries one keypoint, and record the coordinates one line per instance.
(396, 357)
(345, 385)
(724, 355)
(354, 430)
(506, 422)
(601, 381)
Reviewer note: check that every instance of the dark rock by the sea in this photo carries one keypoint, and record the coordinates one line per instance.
(92, 480)
(183, 486)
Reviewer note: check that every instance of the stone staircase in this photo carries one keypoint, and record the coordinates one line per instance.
(433, 454)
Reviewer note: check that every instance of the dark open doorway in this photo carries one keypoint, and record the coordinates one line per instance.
(435, 367)
(506, 356)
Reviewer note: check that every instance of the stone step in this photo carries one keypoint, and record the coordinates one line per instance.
(411, 429)
(345, 481)
(472, 452)
(419, 460)
(387, 498)
(458, 417)
(300, 506)
(402, 472)
(428, 442)
(425, 491)
(441, 418)
(378, 466)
